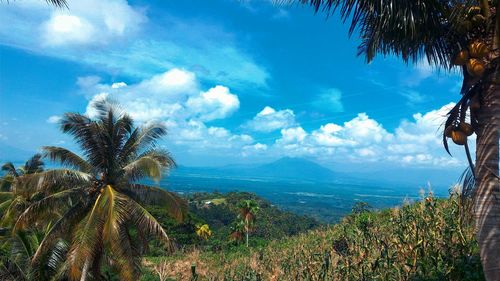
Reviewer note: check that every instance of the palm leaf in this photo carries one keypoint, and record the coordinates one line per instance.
(143, 167)
(10, 169)
(51, 180)
(58, 230)
(49, 204)
(143, 220)
(67, 158)
(34, 164)
(175, 205)
(410, 29)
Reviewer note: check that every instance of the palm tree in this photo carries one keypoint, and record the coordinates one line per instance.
(18, 195)
(19, 247)
(98, 195)
(237, 230)
(203, 231)
(248, 209)
(450, 35)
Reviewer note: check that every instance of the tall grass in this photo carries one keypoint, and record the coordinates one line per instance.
(428, 240)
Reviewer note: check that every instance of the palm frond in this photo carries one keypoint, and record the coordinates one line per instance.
(411, 29)
(162, 156)
(87, 134)
(34, 164)
(176, 206)
(125, 257)
(142, 138)
(87, 241)
(143, 167)
(52, 180)
(10, 169)
(67, 158)
(49, 204)
(60, 229)
(58, 3)
(141, 218)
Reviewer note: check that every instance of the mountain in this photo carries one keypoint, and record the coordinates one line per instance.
(294, 168)
(282, 169)
(299, 169)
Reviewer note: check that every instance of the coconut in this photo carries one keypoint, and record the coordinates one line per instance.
(473, 11)
(478, 20)
(448, 130)
(475, 67)
(461, 58)
(478, 50)
(466, 128)
(458, 137)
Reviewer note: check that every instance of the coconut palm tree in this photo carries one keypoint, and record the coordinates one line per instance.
(98, 195)
(203, 231)
(18, 248)
(237, 230)
(248, 209)
(454, 34)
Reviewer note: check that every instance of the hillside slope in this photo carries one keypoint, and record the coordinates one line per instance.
(428, 240)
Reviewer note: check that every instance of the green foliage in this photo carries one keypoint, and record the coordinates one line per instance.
(426, 240)
(222, 216)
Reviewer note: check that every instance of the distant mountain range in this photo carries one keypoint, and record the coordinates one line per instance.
(299, 169)
(283, 169)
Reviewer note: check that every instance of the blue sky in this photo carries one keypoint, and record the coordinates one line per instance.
(234, 81)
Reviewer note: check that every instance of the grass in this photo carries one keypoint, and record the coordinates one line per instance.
(428, 240)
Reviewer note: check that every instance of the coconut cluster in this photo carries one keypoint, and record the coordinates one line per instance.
(459, 132)
(473, 57)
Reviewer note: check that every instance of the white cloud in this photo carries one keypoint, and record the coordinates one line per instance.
(109, 35)
(118, 85)
(216, 103)
(90, 22)
(269, 120)
(292, 135)
(361, 139)
(172, 95)
(67, 29)
(54, 119)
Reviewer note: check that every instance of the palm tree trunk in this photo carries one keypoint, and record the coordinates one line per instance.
(247, 238)
(487, 199)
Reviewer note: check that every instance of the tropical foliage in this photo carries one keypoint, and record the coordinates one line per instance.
(101, 224)
(461, 33)
(17, 248)
(425, 240)
(248, 211)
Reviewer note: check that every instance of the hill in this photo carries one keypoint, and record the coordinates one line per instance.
(286, 168)
(219, 211)
(428, 240)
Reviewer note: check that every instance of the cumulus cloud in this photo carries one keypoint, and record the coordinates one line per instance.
(90, 22)
(175, 98)
(361, 139)
(215, 103)
(269, 120)
(172, 95)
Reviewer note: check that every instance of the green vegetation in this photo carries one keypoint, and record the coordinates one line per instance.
(84, 220)
(432, 239)
(223, 220)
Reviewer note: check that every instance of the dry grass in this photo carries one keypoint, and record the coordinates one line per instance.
(428, 240)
